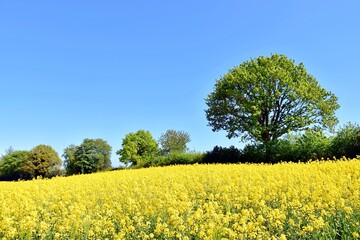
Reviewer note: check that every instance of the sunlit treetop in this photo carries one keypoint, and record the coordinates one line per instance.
(267, 97)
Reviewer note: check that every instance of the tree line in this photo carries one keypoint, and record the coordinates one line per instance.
(92, 155)
(271, 102)
(307, 146)
(140, 149)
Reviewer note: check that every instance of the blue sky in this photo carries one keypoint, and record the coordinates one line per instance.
(71, 70)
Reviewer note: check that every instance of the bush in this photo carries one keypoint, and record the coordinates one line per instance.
(291, 148)
(223, 155)
(118, 168)
(309, 145)
(253, 153)
(346, 141)
(312, 145)
(286, 149)
(177, 158)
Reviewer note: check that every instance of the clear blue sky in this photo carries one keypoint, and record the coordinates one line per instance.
(71, 70)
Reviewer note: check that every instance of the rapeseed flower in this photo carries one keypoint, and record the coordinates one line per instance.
(246, 201)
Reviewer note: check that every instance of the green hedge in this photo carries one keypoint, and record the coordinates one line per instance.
(177, 158)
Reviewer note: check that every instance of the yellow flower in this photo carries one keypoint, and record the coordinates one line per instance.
(208, 201)
(282, 237)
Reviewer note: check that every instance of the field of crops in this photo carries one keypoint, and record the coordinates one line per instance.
(318, 200)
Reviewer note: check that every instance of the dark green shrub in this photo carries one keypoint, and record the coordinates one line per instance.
(253, 153)
(223, 155)
(118, 168)
(346, 141)
(286, 149)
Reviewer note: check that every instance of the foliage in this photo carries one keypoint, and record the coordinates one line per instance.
(311, 145)
(347, 141)
(44, 161)
(253, 153)
(69, 160)
(223, 155)
(138, 148)
(317, 200)
(267, 97)
(175, 158)
(13, 166)
(90, 156)
(173, 141)
(286, 149)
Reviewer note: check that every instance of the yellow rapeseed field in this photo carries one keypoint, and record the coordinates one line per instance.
(317, 200)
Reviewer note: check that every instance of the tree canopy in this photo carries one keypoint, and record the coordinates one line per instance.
(91, 155)
(347, 141)
(174, 141)
(138, 148)
(69, 160)
(267, 97)
(13, 165)
(44, 161)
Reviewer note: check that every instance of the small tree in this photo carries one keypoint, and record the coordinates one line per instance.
(265, 98)
(138, 148)
(173, 141)
(13, 166)
(91, 156)
(44, 160)
(69, 160)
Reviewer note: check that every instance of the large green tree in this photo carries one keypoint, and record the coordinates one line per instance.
(264, 98)
(44, 161)
(173, 141)
(138, 148)
(91, 155)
